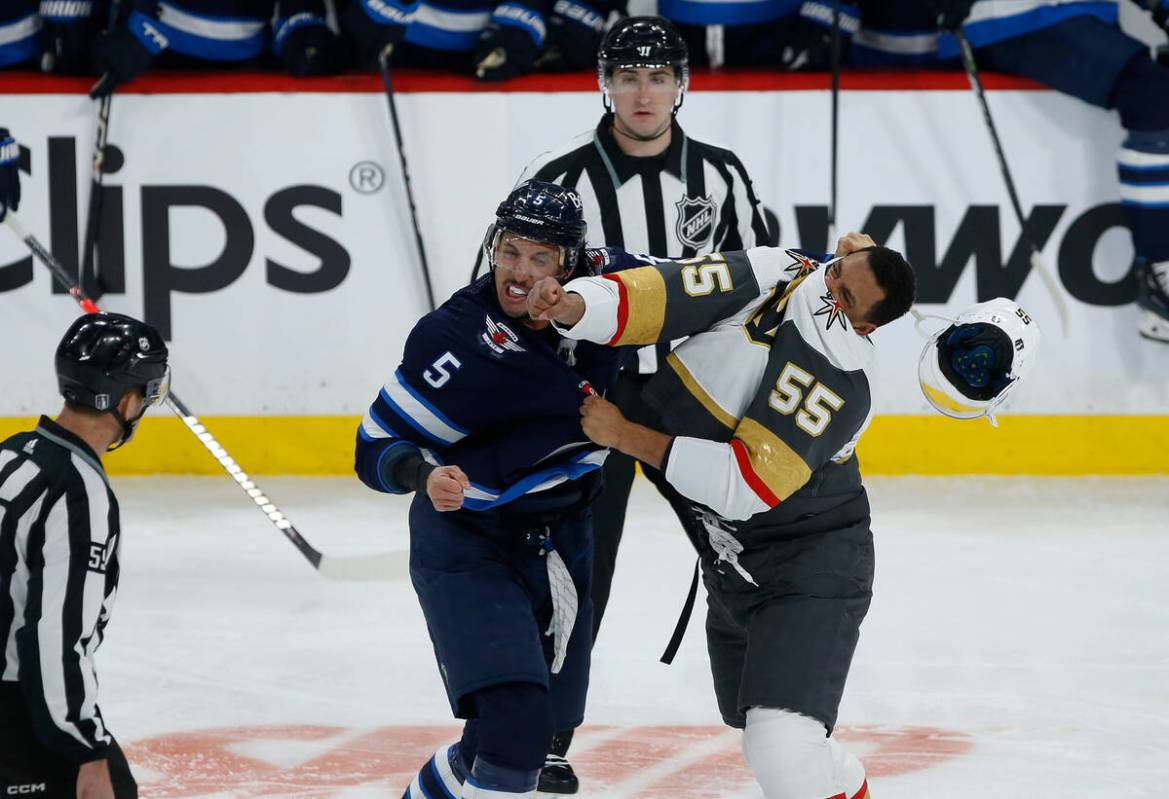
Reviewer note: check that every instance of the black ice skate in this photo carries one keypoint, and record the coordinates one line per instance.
(1153, 298)
(557, 776)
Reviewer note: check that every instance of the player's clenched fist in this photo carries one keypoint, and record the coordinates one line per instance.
(851, 242)
(601, 421)
(547, 300)
(445, 487)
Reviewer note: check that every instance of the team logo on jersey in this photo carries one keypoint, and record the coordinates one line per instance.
(801, 265)
(695, 221)
(500, 338)
(832, 310)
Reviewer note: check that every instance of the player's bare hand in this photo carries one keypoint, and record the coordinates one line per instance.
(445, 487)
(601, 421)
(851, 242)
(93, 780)
(547, 300)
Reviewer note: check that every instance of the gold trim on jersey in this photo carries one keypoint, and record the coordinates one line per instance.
(699, 393)
(775, 462)
(645, 289)
(763, 325)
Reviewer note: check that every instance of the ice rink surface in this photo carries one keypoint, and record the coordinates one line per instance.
(1017, 646)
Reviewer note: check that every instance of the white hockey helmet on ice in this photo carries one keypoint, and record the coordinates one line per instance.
(967, 369)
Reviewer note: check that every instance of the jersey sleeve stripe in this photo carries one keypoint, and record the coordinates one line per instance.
(695, 389)
(642, 311)
(622, 309)
(778, 471)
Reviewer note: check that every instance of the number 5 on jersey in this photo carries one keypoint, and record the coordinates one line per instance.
(437, 375)
(818, 403)
(700, 275)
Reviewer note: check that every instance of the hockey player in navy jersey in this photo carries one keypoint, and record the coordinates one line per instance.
(1076, 47)
(481, 420)
(19, 26)
(223, 32)
(494, 40)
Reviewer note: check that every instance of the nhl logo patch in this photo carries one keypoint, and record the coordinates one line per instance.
(500, 338)
(695, 221)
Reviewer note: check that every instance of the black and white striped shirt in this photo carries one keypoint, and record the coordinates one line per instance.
(59, 543)
(692, 199)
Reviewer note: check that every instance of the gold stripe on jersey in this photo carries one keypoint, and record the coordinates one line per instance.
(645, 292)
(775, 462)
(699, 393)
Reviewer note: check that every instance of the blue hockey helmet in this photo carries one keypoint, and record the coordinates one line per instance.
(542, 212)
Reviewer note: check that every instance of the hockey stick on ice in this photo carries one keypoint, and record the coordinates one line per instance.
(388, 84)
(1037, 261)
(386, 566)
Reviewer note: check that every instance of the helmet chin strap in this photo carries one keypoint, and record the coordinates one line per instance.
(128, 427)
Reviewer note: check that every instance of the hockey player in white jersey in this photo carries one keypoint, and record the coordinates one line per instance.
(759, 413)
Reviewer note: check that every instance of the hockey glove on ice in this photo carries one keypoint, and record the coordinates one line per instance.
(9, 174)
(508, 46)
(373, 28)
(307, 46)
(574, 36)
(126, 52)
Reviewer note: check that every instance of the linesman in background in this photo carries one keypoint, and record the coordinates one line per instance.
(60, 539)
(647, 187)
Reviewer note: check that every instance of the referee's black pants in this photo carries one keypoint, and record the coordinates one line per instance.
(28, 768)
(609, 508)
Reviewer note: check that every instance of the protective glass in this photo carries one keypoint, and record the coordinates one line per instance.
(157, 390)
(658, 84)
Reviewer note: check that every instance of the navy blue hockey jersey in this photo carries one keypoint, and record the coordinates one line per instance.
(19, 24)
(222, 30)
(479, 390)
(455, 24)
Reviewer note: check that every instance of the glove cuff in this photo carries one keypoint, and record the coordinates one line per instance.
(147, 32)
(65, 11)
(581, 14)
(9, 149)
(524, 18)
(820, 12)
(284, 27)
(388, 12)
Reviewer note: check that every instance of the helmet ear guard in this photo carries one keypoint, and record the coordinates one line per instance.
(967, 369)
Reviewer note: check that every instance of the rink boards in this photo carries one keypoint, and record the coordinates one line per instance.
(265, 231)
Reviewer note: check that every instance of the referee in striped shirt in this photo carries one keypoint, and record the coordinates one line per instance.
(59, 542)
(647, 187)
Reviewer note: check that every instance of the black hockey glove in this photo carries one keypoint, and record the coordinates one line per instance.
(508, 46)
(574, 36)
(804, 41)
(9, 173)
(307, 46)
(373, 28)
(952, 13)
(66, 37)
(126, 52)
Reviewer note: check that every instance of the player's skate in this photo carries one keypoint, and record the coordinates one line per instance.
(557, 776)
(1153, 298)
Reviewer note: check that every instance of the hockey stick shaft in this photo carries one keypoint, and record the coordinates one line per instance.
(93, 216)
(376, 567)
(1037, 261)
(835, 145)
(388, 84)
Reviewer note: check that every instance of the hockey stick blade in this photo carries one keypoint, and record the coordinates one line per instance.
(373, 567)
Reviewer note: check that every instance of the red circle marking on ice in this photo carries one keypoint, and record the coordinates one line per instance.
(319, 760)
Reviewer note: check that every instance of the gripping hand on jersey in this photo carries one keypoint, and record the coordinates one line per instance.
(445, 487)
(547, 300)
